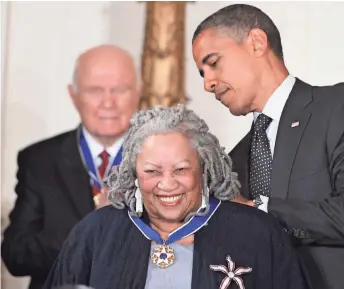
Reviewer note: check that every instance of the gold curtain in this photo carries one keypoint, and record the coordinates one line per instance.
(163, 54)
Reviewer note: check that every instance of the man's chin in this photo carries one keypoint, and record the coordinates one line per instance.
(109, 131)
(237, 111)
(233, 111)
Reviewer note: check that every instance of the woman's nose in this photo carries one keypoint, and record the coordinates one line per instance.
(168, 184)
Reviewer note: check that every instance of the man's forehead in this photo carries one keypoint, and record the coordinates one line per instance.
(205, 37)
(210, 41)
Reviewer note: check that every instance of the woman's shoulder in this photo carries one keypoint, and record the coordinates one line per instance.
(107, 218)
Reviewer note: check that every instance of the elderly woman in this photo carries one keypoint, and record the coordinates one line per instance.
(171, 224)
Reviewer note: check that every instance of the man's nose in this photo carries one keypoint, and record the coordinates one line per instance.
(108, 99)
(210, 84)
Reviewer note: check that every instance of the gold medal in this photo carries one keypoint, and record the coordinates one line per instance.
(163, 256)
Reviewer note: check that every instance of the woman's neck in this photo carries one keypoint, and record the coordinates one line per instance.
(168, 228)
(165, 228)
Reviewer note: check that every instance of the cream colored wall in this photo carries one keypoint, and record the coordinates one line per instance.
(44, 39)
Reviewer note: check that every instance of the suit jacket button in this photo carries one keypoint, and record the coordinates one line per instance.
(302, 234)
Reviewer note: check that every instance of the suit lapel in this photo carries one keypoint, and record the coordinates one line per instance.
(240, 156)
(289, 136)
(75, 177)
(202, 277)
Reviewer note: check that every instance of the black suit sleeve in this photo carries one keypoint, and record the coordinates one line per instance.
(288, 269)
(72, 267)
(28, 248)
(320, 222)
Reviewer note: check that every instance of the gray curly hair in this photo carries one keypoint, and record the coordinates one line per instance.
(221, 181)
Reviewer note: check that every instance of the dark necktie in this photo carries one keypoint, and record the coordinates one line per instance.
(101, 169)
(105, 162)
(260, 159)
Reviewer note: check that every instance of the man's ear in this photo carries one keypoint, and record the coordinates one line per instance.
(258, 42)
(71, 91)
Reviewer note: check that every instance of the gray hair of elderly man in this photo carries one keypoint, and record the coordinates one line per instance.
(218, 176)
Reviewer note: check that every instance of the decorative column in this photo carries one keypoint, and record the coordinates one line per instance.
(163, 54)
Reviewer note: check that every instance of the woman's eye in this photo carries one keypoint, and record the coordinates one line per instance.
(150, 171)
(181, 170)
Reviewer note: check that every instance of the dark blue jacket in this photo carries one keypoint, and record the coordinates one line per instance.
(106, 251)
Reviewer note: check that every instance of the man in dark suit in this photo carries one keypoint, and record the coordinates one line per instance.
(60, 179)
(291, 163)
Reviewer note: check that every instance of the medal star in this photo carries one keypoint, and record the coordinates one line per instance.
(163, 256)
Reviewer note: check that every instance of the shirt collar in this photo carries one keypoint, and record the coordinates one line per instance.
(275, 104)
(96, 148)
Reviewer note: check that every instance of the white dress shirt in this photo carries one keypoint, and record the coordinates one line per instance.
(96, 148)
(273, 109)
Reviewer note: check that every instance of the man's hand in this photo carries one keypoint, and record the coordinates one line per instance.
(102, 199)
(240, 199)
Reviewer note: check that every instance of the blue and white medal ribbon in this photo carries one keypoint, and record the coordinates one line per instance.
(89, 164)
(164, 256)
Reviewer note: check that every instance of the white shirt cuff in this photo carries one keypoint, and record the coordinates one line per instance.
(264, 206)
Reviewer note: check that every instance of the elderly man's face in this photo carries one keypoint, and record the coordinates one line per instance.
(228, 70)
(170, 177)
(106, 95)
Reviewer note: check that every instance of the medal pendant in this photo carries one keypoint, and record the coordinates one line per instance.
(163, 256)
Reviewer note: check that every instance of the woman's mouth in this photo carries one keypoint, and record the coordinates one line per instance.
(170, 200)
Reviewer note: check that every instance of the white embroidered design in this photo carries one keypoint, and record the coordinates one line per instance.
(231, 273)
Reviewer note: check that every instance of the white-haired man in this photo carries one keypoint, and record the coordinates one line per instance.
(60, 179)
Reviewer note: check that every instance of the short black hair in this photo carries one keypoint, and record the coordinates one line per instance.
(240, 19)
